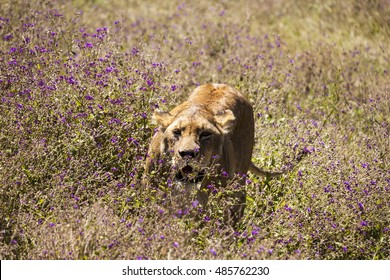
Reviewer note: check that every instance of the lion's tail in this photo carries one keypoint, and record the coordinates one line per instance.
(259, 172)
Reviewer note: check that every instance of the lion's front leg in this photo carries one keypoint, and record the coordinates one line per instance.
(235, 211)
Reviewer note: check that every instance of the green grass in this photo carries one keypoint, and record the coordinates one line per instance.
(79, 82)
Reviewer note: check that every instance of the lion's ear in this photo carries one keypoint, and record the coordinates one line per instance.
(163, 119)
(226, 120)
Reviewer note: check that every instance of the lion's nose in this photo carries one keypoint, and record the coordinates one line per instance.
(189, 153)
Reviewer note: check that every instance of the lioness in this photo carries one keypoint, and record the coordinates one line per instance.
(214, 127)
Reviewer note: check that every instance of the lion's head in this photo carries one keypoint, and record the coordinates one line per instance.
(194, 137)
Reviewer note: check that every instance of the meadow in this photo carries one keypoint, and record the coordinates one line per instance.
(79, 81)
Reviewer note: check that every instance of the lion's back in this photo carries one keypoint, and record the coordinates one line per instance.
(220, 97)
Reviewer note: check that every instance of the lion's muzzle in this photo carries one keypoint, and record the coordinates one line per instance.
(188, 174)
(189, 154)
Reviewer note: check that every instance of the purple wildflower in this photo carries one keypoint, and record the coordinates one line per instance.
(8, 37)
(109, 69)
(213, 252)
(347, 186)
(134, 51)
(364, 223)
(195, 203)
(256, 231)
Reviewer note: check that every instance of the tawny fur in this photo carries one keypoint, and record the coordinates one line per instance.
(227, 117)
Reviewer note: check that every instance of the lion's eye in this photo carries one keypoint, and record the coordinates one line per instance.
(205, 135)
(177, 132)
